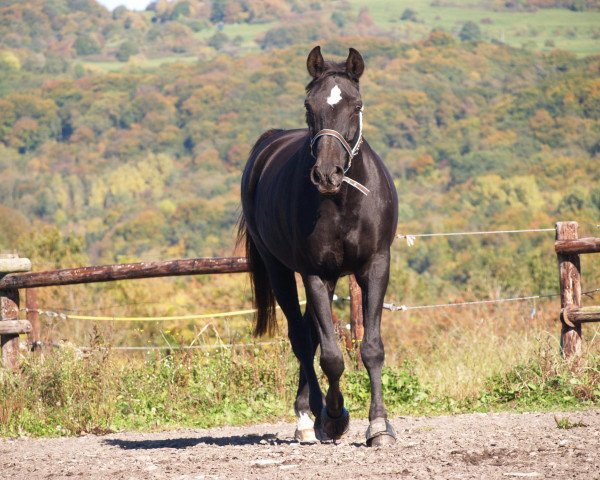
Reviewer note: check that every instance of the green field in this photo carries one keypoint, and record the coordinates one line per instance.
(573, 31)
(248, 32)
(544, 29)
(145, 63)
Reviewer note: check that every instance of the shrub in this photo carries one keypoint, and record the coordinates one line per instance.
(470, 32)
(126, 49)
(86, 45)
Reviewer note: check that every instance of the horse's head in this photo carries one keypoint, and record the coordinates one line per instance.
(334, 117)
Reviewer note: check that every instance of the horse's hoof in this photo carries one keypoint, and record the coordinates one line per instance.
(305, 429)
(381, 440)
(380, 432)
(321, 435)
(306, 435)
(334, 428)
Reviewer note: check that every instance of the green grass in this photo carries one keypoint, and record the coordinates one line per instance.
(248, 32)
(65, 392)
(113, 66)
(565, 423)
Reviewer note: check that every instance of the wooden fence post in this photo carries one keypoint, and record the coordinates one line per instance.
(356, 318)
(31, 307)
(10, 325)
(569, 270)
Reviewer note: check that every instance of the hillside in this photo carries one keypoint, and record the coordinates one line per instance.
(143, 161)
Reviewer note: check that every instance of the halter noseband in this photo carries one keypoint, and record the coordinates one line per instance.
(352, 151)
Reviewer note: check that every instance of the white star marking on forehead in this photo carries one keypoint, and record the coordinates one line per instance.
(334, 96)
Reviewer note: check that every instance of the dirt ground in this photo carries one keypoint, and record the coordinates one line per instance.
(490, 446)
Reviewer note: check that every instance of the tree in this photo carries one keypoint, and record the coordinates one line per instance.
(86, 45)
(219, 11)
(409, 15)
(126, 49)
(470, 32)
(9, 61)
(119, 12)
(218, 40)
(181, 9)
(339, 19)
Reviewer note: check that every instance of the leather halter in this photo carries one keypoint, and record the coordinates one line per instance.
(352, 151)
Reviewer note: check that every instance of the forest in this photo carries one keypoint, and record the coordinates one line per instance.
(123, 135)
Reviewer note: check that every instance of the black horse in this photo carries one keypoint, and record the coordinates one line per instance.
(320, 202)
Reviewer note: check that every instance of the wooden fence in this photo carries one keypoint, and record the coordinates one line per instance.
(15, 276)
(569, 247)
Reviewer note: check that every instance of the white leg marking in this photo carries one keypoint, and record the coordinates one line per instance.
(305, 431)
(304, 422)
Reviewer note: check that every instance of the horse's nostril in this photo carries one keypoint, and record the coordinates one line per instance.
(315, 176)
(335, 177)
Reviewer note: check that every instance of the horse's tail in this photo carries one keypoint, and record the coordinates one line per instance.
(263, 296)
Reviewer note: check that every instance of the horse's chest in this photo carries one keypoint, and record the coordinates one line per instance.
(330, 245)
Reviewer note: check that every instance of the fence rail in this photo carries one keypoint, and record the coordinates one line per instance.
(578, 246)
(125, 271)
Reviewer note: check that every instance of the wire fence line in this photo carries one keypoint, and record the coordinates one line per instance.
(403, 308)
(387, 306)
(216, 346)
(65, 316)
(410, 238)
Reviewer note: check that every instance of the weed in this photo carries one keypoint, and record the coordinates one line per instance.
(402, 390)
(565, 424)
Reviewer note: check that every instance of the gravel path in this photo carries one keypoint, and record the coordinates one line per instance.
(490, 446)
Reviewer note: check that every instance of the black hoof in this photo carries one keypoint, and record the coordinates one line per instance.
(380, 432)
(321, 435)
(334, 428)
(381, 440)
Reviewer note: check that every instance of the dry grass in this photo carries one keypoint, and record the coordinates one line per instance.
(455, 352)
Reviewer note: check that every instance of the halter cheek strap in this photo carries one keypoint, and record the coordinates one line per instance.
(352, 151)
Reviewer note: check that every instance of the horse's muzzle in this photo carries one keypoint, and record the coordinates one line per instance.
(327, 180)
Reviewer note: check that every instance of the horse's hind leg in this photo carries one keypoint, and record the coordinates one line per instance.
(373, 280)
(334, 417)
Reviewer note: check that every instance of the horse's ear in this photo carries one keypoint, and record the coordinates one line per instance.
(315, 62)
(355, 65)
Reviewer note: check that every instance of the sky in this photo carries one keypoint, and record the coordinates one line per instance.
(130, 4)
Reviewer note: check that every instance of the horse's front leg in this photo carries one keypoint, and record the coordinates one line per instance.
(305, 431)
(373, 280)
(334, 418)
